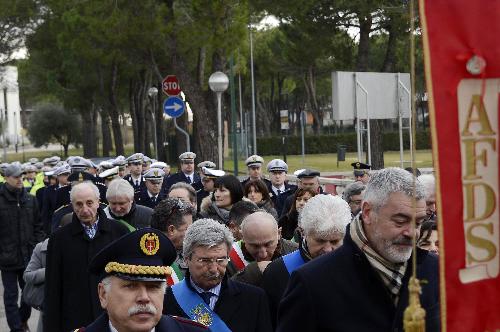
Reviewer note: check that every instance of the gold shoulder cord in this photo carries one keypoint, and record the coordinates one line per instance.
(414, 314)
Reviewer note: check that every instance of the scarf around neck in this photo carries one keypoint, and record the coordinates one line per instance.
(391, 273)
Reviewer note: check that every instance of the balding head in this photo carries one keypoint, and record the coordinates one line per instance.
(260, 235)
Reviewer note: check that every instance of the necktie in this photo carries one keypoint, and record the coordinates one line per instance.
(189, 179)
(279, 192)
(137, 183)
(206, 297)
(153, 199)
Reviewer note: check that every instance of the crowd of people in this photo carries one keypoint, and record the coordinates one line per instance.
(127, 246)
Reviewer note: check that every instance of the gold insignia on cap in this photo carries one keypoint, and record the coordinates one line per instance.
(155, 173)
(80, 177)
(358, 165)
(150, 243)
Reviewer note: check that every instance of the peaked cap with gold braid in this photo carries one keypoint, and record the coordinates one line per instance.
(144, 255)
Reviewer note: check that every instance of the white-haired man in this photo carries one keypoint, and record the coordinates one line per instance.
(323, 223)
(71, 294)
(206, 295)
(121, 205)
(363, 285)
(429, 183)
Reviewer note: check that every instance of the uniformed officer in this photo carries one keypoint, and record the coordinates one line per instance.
(186, 174)
(133, 270)
(146, 164)
(151, 194)
(109, 175)
(208, 181)
(135, 163)
(79, 164)
(254, 164)
(51, 161)
(361, 172)
(105, 165)
(121, 163)
(280, 188)
(208, 164)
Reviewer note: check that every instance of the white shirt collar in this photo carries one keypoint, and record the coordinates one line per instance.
(275, 190)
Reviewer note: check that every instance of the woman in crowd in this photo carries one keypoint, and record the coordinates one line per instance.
(257, 192)
(217, 205)
(429, 239)
(289, 221)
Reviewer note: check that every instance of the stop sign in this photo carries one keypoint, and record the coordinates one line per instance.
(170, 85)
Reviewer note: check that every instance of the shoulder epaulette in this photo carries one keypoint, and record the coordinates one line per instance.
(190, 322)
(61, 207)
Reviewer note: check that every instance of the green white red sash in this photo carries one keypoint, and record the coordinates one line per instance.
(176, 275)
(237, 257)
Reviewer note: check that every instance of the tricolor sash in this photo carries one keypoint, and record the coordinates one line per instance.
(293, 261)
(176, 275)
(237, 257)
(194, 306)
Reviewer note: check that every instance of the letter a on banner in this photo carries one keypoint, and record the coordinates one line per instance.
(462, 64)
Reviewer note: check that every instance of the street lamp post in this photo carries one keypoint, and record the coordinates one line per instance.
(152, 93)
(218, 83)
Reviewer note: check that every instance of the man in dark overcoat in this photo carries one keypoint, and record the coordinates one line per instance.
(363, 285)
(71, 294)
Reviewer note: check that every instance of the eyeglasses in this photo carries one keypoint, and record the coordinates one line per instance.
(223, 261)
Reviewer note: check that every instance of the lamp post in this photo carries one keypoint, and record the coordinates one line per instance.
(218, 83)
(152, 93)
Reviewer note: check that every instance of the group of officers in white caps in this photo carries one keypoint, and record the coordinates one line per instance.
(167, 267)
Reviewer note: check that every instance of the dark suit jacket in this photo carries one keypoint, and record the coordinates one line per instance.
(341, 291)
(279, 201)
(180, 177)
(142, 198)
(242, 307)
(48, 207)
(166, 324)
(141, 186)
(71, 298)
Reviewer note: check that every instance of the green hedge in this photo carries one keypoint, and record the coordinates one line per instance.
(328, 143)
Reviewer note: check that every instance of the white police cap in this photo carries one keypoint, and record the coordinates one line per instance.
(212, 173)
(190, 156)
(277, 165)
(109, 173)
(159, 164)
(154, 174)
(254, 160)
(207, 164)
(135, 158)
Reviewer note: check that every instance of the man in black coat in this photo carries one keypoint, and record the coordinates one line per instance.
(186, 174)
(151, 195)
(206, 295)
(135, 164)
(71, 297)
(280, 188)
(363, 285)
(21, 229)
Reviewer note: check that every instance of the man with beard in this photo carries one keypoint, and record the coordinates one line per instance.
(322, 222)
(363, 285)
(120, 196)
(133, 270)
(206, 295)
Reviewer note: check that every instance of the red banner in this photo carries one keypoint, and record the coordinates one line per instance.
(462, 63)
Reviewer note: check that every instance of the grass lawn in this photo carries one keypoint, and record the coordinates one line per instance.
(320, 162)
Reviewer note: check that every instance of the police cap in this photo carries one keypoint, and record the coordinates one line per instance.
(277, 165)
(254, 160)
(135, 158)
(308, 173)
(187, 156)
(154, 174)
(159, 164)
(207, 164)
(212, 173)
(110, 174)
(360, 168)
(143, 255)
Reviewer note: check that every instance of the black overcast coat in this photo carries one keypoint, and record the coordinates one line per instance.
(341, 291)
(71, 292)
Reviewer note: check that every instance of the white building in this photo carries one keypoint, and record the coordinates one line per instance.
(10, 108)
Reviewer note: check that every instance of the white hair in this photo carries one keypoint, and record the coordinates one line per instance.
(324, 215)
(80, 186)
(429, 183)
(106, 283)
(119, 188)
(391, 180)
(206, 233)
(259, 215)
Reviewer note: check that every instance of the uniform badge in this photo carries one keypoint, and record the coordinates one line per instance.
(358, 165)
(80, 177)
(150, 243)
(202, 315)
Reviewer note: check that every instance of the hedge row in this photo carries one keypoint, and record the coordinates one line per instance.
(328, 143)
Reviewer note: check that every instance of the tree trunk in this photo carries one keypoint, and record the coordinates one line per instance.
(107, 140)
(390, 53)
(114, 112)
(134, 113)
(365, 27)
(89, 134)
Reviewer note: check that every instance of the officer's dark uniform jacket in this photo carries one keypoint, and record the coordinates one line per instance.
(48, 206)
(21, 228)
(137, 188)
(279, 200)
(71, 292)
(166, 324)
(180, 177)
(142, 198)
(242, 307)
(341, 291)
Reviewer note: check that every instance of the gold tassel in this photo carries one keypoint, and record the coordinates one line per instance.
(414, 315)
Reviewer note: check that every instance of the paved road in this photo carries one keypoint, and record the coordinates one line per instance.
(3, 321)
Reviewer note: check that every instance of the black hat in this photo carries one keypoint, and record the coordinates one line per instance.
(80, 177)
(360, 169)
(143, 255)
(308, 173)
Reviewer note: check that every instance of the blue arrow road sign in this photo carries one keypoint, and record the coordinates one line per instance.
(173, 106)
